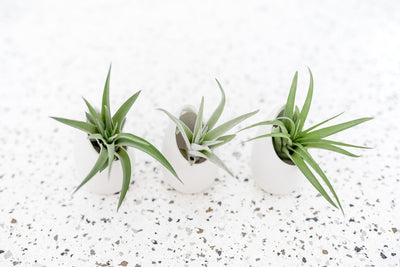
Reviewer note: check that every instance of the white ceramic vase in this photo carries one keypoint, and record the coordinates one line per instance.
(197, 177)
(271, 173)
(86, 157)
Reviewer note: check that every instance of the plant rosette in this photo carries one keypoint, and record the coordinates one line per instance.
(290, 143)
(105, 141)
(269, 171)
(190, 143)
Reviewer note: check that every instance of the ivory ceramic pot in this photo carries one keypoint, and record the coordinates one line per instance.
(271, 173)
(196, 177)
(86, 157)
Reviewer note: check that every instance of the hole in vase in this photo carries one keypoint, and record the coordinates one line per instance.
(188, 116)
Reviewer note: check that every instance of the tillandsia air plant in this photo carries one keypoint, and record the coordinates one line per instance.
(291, 142)
(201, 141)
(105, 133)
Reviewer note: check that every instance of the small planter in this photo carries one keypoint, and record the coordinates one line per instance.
(86, 156)
(196, 177)
(96, 158)
(271, 173)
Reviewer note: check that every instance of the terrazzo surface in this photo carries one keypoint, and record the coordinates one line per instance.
(52, 53)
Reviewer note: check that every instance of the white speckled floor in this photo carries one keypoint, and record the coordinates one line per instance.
(52, 53)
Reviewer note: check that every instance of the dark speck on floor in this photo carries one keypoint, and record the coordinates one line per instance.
(357, 249)
(315, 219)
(304, 260)
(383, 256)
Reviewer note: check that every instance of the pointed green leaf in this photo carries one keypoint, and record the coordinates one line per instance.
(90, 119)
(92, 110)
(106, 97)
(127, 139)
(319, 124)
(122, 125)
(83, 126)
(216, 160)
(109, 123)
(223, 140)
(199, 122)
(310, 161)
(125, 107)
(296, 114)
(290, 100)
(204, 131)
(126, 170)
(111, 153)
(306, 141)
(182, 127)
(324, 132)
(299, 161)
(218, 111)
(307, 103)
(115, 130)
(331, 148)
(96, 168)
(223, 128)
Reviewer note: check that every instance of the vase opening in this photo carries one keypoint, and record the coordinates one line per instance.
(187, 116)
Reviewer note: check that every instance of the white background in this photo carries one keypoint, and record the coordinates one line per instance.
(52, 53)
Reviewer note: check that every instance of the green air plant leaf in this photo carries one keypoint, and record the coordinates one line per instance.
(106, 97)
(290, 100)
(223, 128)
(199, 122)
(218, 111)
(111, 153)
(104, 134)
(307, 104)
(126, 170)
(185, 131)
(119, 116)
(328, 131)
(200, 143)
(319, 124)
(127, 139)
(299, 161)
(310, 161)
(96, 168)
(324, 141)
(222, 140)
(216, 160)
(90, 119)
(331, 148)
(291, 142)
(80, 125)
(109, 123)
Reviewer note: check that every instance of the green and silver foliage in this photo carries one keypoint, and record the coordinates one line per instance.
(105, 133)
(291, 142)
(204, 138)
